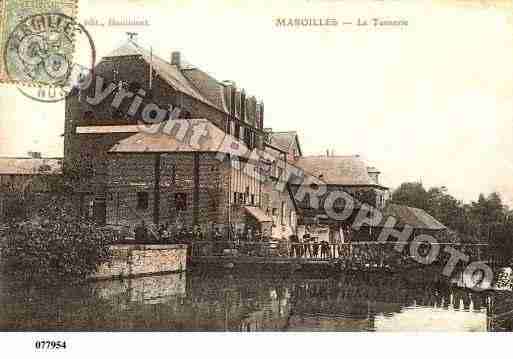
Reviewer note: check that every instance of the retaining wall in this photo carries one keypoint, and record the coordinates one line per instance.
(130, 260)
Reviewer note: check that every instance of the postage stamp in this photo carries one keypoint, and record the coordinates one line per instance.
(14, 16)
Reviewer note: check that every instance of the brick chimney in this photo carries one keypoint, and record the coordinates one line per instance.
(175, 59)
(33, 154)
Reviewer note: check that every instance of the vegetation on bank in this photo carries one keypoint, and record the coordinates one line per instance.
(485, 220)
(52, 246)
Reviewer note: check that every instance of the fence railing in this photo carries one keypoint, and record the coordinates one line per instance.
(368, 254)
(266, 249)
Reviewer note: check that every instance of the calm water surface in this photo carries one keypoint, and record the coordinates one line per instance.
(229, 302)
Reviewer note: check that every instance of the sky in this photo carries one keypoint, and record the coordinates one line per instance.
(431, 101)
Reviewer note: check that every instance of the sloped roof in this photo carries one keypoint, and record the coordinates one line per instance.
(414, 217)
(340, 170)
(30, 166)
(258, 214)
(207, 85)
(169, 73)
(212, 139)
(283, 140)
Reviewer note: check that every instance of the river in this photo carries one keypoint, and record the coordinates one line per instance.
(203, 301)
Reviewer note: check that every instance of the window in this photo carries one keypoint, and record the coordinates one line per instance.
(241, 198)
(181, 201)
(246, 195)
(282, 213)
(237, 131)
(142, 200)
(234, 197)
(253, 199)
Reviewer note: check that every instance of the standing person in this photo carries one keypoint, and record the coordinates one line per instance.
(251, 240)
(197, 233)
(325, 248)
(306, 244)
(141, 232)
(217, 234)
(182, 235)
(239, 236)
(163, 233)
(217, 239)
(315, 247)
(160, 233)
(293, 245)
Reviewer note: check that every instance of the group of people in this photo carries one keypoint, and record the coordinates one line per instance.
(310, 247)
(168, 233)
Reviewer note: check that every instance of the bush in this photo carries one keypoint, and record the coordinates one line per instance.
(53, 251)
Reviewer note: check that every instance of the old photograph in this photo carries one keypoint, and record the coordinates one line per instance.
(255, 166)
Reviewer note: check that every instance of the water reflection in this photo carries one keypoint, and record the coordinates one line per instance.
(228, 302)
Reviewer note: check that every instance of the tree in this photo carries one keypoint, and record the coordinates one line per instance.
(54, 247)
(486, 219)
(445, 208)
(411, 194)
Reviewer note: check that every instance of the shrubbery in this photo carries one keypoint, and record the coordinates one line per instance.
(53, 248)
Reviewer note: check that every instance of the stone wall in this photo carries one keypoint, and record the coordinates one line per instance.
(134, 260)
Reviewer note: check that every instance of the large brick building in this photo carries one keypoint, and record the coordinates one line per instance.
(126, 173)
(137, 158)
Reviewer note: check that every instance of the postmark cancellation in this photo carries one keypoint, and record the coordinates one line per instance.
(29, 32)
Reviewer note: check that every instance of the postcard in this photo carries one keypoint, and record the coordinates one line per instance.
(254, 166)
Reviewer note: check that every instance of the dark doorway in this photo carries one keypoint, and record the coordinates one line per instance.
(100, 211)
